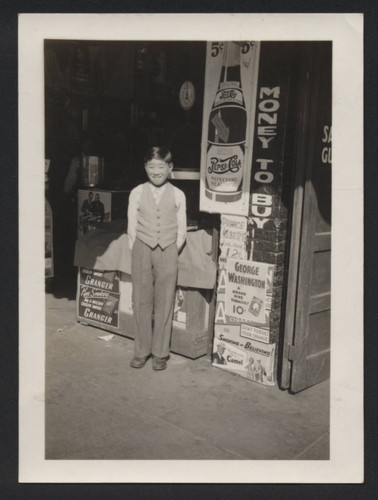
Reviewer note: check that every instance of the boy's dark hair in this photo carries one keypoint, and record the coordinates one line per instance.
(158, 153)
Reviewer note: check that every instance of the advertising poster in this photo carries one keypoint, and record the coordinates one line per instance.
(228, 356)
(47, 168)
(244, 294)
(233, 236)
(126, 291)
(228, 126)
(99, 296)
(249, 358)
(49, 256)
(180, 308)
(94, 207)
(246, 290)
(267, 210)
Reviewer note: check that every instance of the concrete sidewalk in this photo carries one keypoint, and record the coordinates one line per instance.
(97, 407)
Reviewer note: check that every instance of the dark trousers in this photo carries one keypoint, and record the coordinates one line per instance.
(154, 277)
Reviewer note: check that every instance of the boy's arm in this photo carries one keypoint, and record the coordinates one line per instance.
(181, 220)
(132, 217)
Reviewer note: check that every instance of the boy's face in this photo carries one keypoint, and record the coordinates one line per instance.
(158, 171)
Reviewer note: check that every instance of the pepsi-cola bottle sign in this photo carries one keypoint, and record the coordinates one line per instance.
(227, 132)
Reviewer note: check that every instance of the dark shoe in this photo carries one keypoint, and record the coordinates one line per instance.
(159, 363)
(138, 362)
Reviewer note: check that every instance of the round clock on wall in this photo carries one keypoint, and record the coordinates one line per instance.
(187, 95)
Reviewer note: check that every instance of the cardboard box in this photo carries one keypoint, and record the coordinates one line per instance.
(189, 332)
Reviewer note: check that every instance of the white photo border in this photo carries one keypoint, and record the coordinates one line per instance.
(346, 33)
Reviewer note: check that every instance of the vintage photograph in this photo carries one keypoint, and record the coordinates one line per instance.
(213, 164)
(188, 226)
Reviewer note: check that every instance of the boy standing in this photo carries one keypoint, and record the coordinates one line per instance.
(156, 229)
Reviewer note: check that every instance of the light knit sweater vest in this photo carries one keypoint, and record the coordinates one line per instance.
(157, 224)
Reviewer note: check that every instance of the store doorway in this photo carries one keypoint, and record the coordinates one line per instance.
(307, 332)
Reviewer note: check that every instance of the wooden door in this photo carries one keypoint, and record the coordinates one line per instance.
(306, 353)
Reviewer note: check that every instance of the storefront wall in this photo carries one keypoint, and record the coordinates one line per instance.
(292, 111)
(145, 80)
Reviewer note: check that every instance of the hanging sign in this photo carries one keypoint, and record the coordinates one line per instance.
(228, 126)
(233, 236)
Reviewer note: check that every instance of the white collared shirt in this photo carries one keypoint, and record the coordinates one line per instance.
(157, 192)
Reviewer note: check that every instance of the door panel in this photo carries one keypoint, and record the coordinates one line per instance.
(323, 190)
(321, 272)
(318, 338)
(320, 302)
(317, 370)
